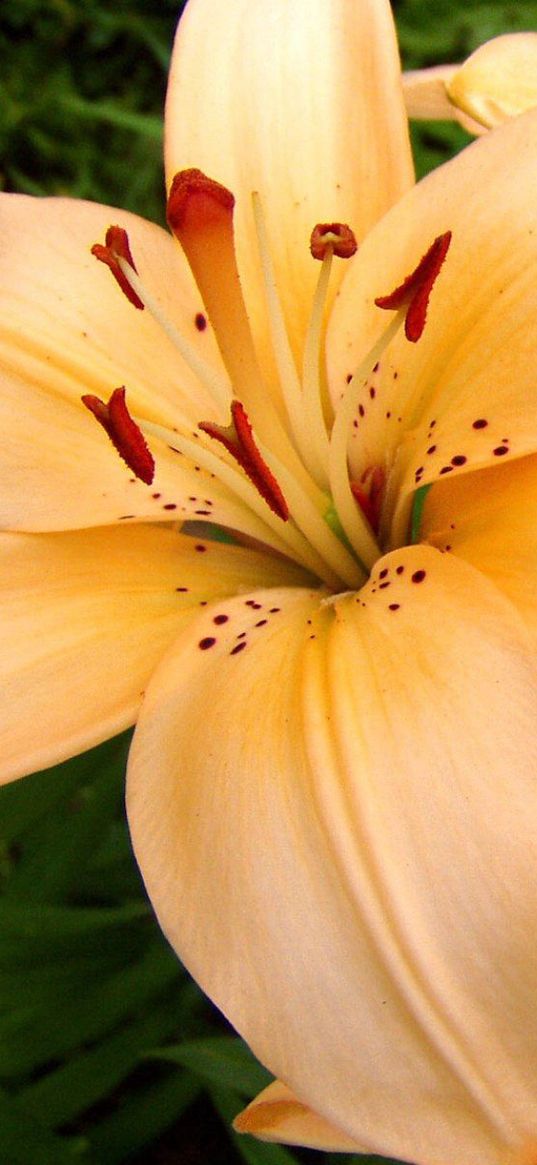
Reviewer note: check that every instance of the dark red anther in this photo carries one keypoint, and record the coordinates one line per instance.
(370, 502)
(335, 236)
(124, 433)
(416, 288)
(238, 439)
(116, 246)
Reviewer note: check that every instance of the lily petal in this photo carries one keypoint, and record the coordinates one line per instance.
(60, 472)
(463, 397)
(427, 99)
(86, 616)
(316, 125)
(488, 518)
(66, 326)
(363, 864)
(499, 80)
(277, 1115)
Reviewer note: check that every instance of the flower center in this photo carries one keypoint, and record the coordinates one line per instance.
(296, 468)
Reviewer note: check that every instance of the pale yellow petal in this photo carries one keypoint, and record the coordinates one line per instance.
(66, 326)
(499, 80)
(337, 827)
(301, 102)
(488, 518)
(84, 619)
(426, 97)
(463, 396)
(277, 1115)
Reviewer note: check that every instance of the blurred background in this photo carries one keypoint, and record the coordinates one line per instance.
(108, 1052)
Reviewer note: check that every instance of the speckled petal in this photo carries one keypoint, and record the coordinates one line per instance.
(488, 518)
(66, 326)
(463, 397)
(301, 102)
(84, 619)
(336, 825)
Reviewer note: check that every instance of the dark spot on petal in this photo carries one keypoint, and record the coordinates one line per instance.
(446, 469)
(419, 576)
(209, 641)
(170, 506)
(431, 449)
(394, 606)
(383, 572)
(399, 569)
(219, 619)
(481, 423)
(200, 548)
(459, 459)
(500, 450)
(200, 321)
(238, 647)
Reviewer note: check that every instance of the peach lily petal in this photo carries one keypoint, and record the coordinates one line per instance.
(65, 325)
(277, 1115)
(488, 519)
(86, 616)
(298, 125)
(474, 362)
(361, 858)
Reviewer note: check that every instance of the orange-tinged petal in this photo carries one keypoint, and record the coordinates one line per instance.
(499, 80)
(463, 397)
(277, 1115)
(85, 617)
(488, 518)
(66, 326)
(316, 125)
(336, 826)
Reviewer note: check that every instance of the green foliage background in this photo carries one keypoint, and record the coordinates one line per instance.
(108, 1052)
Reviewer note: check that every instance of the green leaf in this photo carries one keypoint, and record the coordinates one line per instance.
(25, 1141)
(142, 1117)
(221, 1060)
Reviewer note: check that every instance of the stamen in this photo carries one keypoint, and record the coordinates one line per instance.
(124, 433)
(116, 247)
(118, 257)
(238, 439)
(370, 502)
(415, 290)
(327, 240)
(353, 517)
(336, 236)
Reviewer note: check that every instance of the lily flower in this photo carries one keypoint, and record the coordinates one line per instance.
(331, 787)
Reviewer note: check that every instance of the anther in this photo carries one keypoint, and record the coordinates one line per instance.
(336, 237)
(124, 433)
(238, 439)
(415, 290)
(116, 246)
(370, 501)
